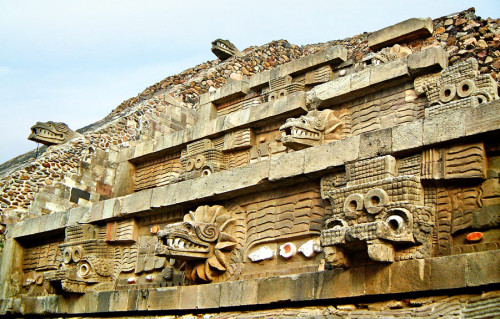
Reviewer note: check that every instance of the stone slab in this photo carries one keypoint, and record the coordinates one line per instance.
(404, 31)
(409, 276)
(426, 61)
(232, 90)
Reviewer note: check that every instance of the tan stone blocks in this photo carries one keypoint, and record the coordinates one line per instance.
(404, 31)
(163, 298)
(444, 127)
(483, 268)
(445, 277)
(410, 275)
(427, 61)
(332, 154)
(137, 202)
(376, 143)
(407, 136)
(287, 165)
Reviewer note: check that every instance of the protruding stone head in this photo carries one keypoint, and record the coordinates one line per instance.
(51, 133)
(311, 129)
(224, 49)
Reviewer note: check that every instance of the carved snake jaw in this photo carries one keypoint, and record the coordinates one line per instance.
(178, 241)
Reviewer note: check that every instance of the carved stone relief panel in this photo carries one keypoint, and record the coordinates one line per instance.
(158, 172)
(314, 128)
(281, 87)
(377, 214)
(51, 133)
(456, 87)
(208, 242)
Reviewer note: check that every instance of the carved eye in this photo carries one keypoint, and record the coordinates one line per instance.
(395, 223)
(83, 269)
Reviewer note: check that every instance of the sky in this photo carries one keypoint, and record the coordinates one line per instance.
(75, 61)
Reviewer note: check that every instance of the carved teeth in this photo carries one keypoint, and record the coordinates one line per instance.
(181, 244)
(169, 242)
(176, 242)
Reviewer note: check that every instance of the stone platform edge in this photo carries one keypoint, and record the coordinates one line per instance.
(411, 276)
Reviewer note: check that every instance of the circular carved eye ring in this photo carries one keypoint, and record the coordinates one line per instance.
(375, 200)
(83, 269)
(77, 254)
(353, 205)
(447, 93)
(466, 88)
(199, 161)
(67, 255)
(190, 165)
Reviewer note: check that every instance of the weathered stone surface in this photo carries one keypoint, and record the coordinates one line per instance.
(404, 31)
(430, 60)
(407, 136)
(444, 127)
(330, 155)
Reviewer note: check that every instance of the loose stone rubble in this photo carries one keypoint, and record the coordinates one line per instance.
(348, 174)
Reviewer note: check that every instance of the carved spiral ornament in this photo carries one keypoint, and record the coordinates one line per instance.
(207, 232)
(61, 127)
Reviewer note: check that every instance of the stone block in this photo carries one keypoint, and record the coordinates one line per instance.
(126, 154)
(228, 182)
(96, 211)
(231, 293)
(426, 61)
(249, 289)
(111, 208)
(305, 286)
(118, 301)
(329, 93)
(104, 301)
(410, 276)
(407, 136)
(232, 90)
(259, 80)
(330, 155)
(484, 118)
(75, 215)
(54, 221)
(378, 279)
(124, 180)
(137, 202)
(331, 55)
(361, 81)
(159, 195)
(275, 289)
(401, 32)
(448, 272)
(341, 283)
(209, 296)
(163, 298)
(376, 143)
(444, 127)
(386, 74)
(483, 268)
(188, 297)
(286, 165)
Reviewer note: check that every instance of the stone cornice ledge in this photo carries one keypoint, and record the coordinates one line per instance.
(411, 276)
(293, 167)
(290, 105)
(327, 94)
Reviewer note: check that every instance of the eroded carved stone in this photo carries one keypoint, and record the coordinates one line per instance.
(376, 211)
(205, 240)
(224, 49)
(457, 82)
(51, 133)
(89, 263)
(314, 128)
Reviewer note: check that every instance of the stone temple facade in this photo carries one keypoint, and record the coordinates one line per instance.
(352, 179)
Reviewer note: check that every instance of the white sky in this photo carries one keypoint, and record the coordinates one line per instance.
(75, 61)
